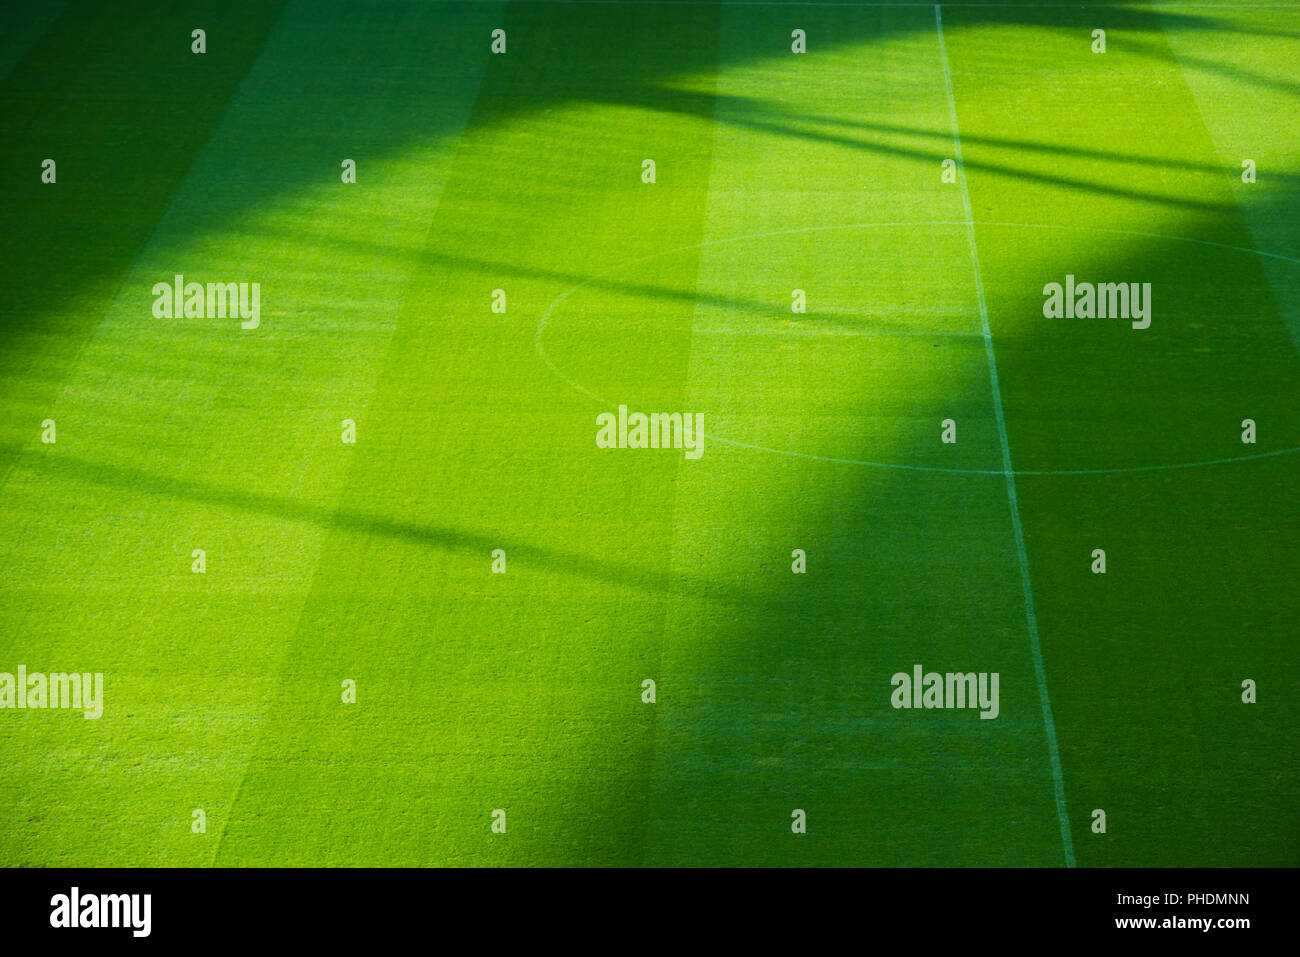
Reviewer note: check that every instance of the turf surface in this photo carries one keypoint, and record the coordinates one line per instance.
(522, 691)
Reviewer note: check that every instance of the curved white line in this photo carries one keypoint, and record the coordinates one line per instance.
(541, 351)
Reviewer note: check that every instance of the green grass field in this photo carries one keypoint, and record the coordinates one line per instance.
(475, 431)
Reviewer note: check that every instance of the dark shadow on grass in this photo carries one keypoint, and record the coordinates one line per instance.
(1098, 394)
(127, 109)
(894, 585)
(1225, 70)
(1030, 146)
(701, 104)
(761, 311)
(793, 694)
(441, 538)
